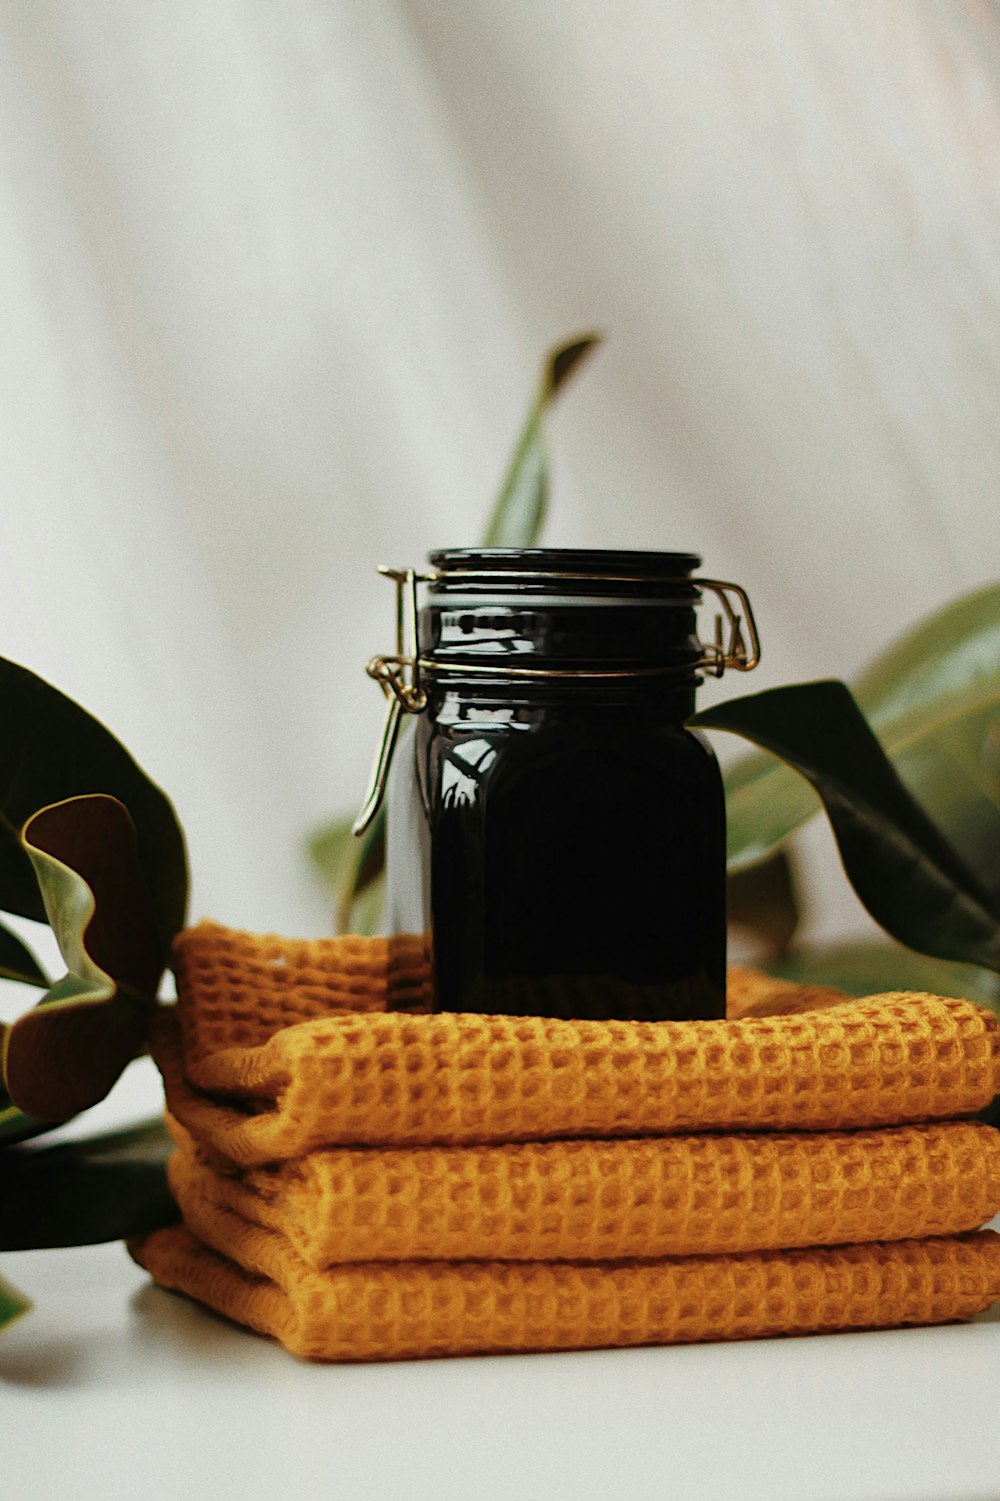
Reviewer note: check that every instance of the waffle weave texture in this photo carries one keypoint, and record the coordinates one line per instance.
(389, 1079)
(364, 1182)
(607, 1200)
(391, 1311)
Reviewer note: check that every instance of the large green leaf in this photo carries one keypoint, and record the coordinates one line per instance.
(82, 1192)
(902, 867)
(934, 701)
(12, 1303)
(66, 1054)
(955, 648)
(519, 512)
(870, 968)
(352, 868)
(50, 750)
(17, 962)
(948, 754)
(765, 802)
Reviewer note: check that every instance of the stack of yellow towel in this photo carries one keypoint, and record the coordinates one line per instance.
(365, 1183)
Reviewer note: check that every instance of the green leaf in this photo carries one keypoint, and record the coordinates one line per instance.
(368, 911)
(872, 968)
(351, 867)
(17, 962)
(519, 511)
(51, 750)
(765, 803)
(12, 1303)
(333, 851)
(903, 869)
(955, 648)
(66, 1054)
(934, 700)
(83, 1192)
(948, 754)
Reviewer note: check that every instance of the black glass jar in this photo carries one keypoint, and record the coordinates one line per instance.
(555, 832)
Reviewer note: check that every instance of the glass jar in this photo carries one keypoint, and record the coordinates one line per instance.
(555, 833)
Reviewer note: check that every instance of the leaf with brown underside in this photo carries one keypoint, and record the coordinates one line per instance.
(51, 749)
(15, 1126)
(65, 1055)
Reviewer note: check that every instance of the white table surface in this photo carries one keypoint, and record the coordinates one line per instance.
(113, 1388)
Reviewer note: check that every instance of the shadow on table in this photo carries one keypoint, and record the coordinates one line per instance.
(160, 1329)
(53, 1363)
(172, 1320)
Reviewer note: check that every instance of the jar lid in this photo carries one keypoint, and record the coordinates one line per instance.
(563, 570)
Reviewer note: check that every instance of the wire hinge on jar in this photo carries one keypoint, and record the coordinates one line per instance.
(400, 675)
(399, 678)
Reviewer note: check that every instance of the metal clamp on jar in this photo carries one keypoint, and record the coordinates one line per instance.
(555, 833)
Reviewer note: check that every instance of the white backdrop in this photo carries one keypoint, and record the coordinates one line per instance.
(275, 278)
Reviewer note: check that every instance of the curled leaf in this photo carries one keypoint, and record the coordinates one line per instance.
(65, 1055)
(50, 750)
(15, 1126)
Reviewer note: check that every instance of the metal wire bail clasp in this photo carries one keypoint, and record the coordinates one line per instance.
(735, 652)
(399, 678)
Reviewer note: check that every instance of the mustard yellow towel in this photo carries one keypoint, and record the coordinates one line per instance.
(391, 1079)
(330, 1122)
(609, 1200)
(238, 989)
(398, 1310)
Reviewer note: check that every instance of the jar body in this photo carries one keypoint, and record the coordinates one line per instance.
(565, 855)
(555, 833)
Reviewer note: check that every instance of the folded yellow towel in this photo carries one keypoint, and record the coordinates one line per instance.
(241, 988)
(389, 1311)
(396, 1080)
(365, 1182)
(607, 1200)
(238, 989)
